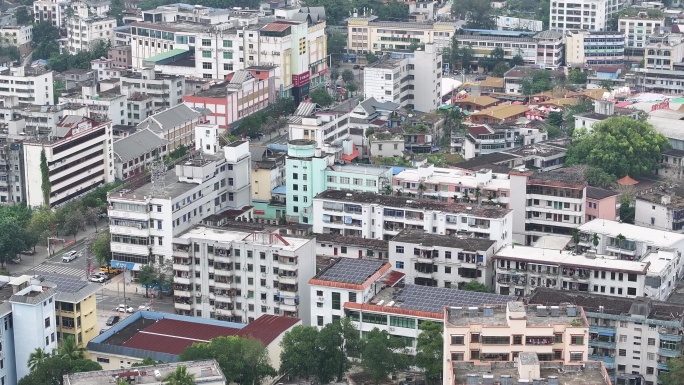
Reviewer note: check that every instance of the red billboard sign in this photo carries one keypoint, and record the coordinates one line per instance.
(301, 79)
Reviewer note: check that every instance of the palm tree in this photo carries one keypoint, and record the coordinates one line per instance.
(620, 238)
(70, 350)
(576, 238)
(36, 358)
(180, 376)
(465, 197)
(421, 190)
(595, 240)
(398, 193)
(478, 194)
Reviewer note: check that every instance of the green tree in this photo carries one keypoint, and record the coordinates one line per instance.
(348, 76)
(321, 97)
(12, 238)
(371, 58)
(500, 69)
(180, 376)
(577, 76)
(242, 360)
(74, 223)
(40, 226)
(91, 215)
(475, 286)
(382, 355)
(606, 84)
(595, 240)
(334, 75)
(674, 375)
(351, 88)
(627, 210)
(555, 118)
(296, 356)
(69, 349)
(37, 357)
(330, 357)
(477, 13)
(353, 345)
(517, 60)
(467, 55)
(51, 370)
(336, 44)
(620, 146)
(116, 9)
(147, 276)
(23, 16)
(45, 178)
(101, 248)
(599, 178)
(430, 350)
(539, 82)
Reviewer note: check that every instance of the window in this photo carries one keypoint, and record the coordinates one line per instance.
(319, 320)
(352, 297)
(206, 42)
(631, 291)
(457, 340)
(447, 254)
(336, 300)
(227, 44)
(651, 342)
(458, 356)
(206, 65)
(474, 337)
(206, 53)
(622, 352)
(228, 55)
(474, 354)
(558, 338)
(103, 360)
(576, 356)
(403, 322)
(400, 265)
(576, 340)
(649, 370)
(517, 340)
(400, 249)
(47, 322)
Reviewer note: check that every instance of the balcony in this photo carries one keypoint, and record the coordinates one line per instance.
(539, 341)
(222, 284)
(669, 334)
(287, 279)
(181, 280)
(662, 366)
(182, 306)
(288, 308)
(672, 353)
(224, 312)
(182, 267)
(182, 293)
(223, 273)
(602, 344)
(608, 361)
(601, 329)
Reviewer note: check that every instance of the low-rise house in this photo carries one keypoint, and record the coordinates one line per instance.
(134, 153)
(502, 113)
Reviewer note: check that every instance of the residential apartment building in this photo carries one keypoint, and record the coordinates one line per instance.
(31, 86)
(577, 15)
(52, 11)
(79, 156)
(75, 309)
(19, 36)
(663, 210)
(413, 81)
(589, 48)
(661, 52)
(490, 138)
(519, 270)
(652, 80)
(638, 29)
(120, 54)
(364, 35)
(441, 260)
(11, 181)
(245, 92)
(83, 33)
(177, 125)
(513, 43)
(376, 216)
(136, 152)
(107, 68)
(101, 106)
(268, 183)
(454, 185)
(240, 276)
(373, 296)
(546, 203)
(334, 246)
(144, 220)
(166, 90)
(601, 204)
(205, 372)
(550, 49)
(385, 144)
(89, 8)
(634, 338)
(512, 332)
(328, 129)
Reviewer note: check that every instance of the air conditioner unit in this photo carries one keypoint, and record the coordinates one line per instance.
(391, 328)
(245, 296)
(139, 226)
(198, 295)
(320, 298)
(244, 269)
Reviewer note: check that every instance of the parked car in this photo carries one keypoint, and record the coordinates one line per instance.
(15, 259)
(356, 66)
(102, 274)
(97, 278)
(112, 320)
(70, 256)
(124, 309)
(480, 78)
(110, 270)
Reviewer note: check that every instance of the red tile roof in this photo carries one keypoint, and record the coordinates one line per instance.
(393, 277)
(159, 343)
(268, 327)
(479, 130)
(189, 330)
(275, 27)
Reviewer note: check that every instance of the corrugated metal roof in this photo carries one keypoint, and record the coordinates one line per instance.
(166, 55)
(170, 118)
(268, 327)
(305, 109)
(275, 27)
(139, 143)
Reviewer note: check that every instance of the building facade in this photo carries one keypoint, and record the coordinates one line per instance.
(638, 29)
(589, 48)
(576, 15)
(83, 33)
(30, 86)
(367, 35)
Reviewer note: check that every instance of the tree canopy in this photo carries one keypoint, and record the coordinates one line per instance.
(309, 352)
(51, 370)
(619, 146)
(476, 13)
(675, 373)
(321, 97)
(382, 355)
(430, 348)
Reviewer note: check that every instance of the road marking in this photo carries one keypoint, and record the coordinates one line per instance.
(57, 269)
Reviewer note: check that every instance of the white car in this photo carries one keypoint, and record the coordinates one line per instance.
(124, 309)
(97, 278)
(70, 256)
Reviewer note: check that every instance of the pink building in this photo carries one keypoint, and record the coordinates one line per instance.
(121, 55)
(601, 204)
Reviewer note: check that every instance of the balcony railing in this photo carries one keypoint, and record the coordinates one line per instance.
(602, 344)
(601, 329)
(608, 361)
(669, 352)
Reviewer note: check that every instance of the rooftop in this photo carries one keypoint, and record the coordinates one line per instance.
(672, 198)
(139, 143)
(170, 118)
(655, 238)
(174, 27)
(202, 371)
(584, 373)
(599, 193)
(224, 235)
(71, 290)
(477, 100)
(412, 203)
(366, 169)
(657, 310)
(351, 273)
(425, 301)
(502, 314)
(567, 177)
(502, 111)
(567, 258)
(492, 82)
(424, 239)
(355, 241)
(385, 64)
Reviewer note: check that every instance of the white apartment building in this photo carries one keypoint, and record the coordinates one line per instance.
(663, 210)
(368, 215)
(414, 81)
(441, 260)
(630, 336)
(19, 36)
(546, 203)
(53, 11)
(512, 332)
(106, 69)
(653, 80)
(488, 138)
(575, 15)
(663, 52)
(364, 34)
(483, 45)
(238, 276)
(88, 8)
(144, 220)
(165, 90)
(328, 129)
(373, 296)
(333, 246)
(84, 33)
(33, 86)
(79, 155)
(100, 106)
(638, 29)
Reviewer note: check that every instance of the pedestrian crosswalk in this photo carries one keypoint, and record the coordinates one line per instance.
(57, 269)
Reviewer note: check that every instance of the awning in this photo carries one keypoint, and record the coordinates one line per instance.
(352, 156)
(122, 265)
(606, 334)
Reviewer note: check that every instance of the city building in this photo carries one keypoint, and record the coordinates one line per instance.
(245, 92)
(31, 86)
(329, 130)
(83, 33)
(663, 51)
(670, 163)
(144, 220)
(503, 113)
(454, 185)
(369, 215)
(474, 103)
(517, 24)
(52, 11)
(385, 143)
(550, 49)
(638, 29)
(546, 203)
(365, 34)
(177, 125)
(163, 336)
(101, 106)
(441, 260)
(121, 55)
(577, 15)
(335, 246)
(413, 81)
(601, 203)
(166, 90)
(513, 43)
(268, 179)
(79, 158)
(651, 80)
(373, 296)
(661, 209)
(107, 69)
(75, 309)
(254, 274)
(488, 138)
(206, 372)
(19, 36)
(546, 156)
(632, 337)
(134, 153)
(588, 48)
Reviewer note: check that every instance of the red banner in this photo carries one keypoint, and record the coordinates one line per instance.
(301, 79)
(259, 212)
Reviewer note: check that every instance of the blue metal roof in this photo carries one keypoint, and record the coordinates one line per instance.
(397, 169)
(279, 190)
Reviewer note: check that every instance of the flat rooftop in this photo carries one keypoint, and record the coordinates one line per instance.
(674, 200)
(202, 371)
(350, 271)
(223, 235)
(498, 315)
(654, 237)
(424, 239)
(352, 241)
(351, 197)
(385, 64)
(71, 290)
(366, 169)
(566, 258)
(581, 373)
